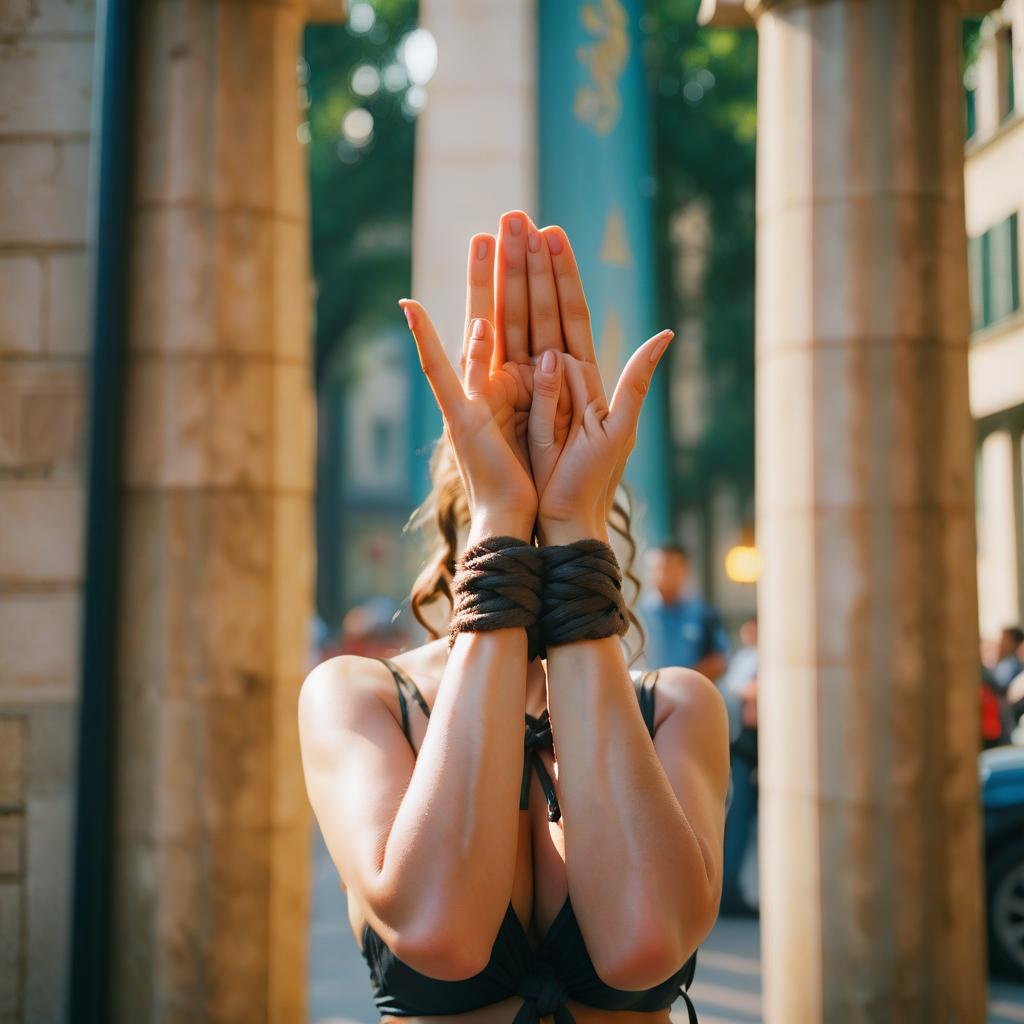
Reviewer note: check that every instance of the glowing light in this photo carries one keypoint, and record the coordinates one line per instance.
(361, 18)
(415, 100)
(365, 80)
(743, 564)
(395, 78)
(357, 127)
(419, 55)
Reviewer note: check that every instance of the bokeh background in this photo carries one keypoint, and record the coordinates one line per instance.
(213, 430)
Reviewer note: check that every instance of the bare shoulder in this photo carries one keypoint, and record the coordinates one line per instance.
(341, 690)
(694, 695)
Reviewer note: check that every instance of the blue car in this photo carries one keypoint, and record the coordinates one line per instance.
(1002, 794)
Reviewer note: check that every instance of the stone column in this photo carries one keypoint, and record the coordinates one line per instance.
(213, 829)
(476, 144)
(870, 850)
(46, 52)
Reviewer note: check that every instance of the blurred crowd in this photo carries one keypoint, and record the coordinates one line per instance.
(1002, 688)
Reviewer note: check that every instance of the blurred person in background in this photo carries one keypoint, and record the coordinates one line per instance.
(682, 628)
(1008, 664)
(456, 848)
(739, 688)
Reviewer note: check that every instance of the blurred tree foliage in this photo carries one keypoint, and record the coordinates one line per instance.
(361, 194)
(703, 84)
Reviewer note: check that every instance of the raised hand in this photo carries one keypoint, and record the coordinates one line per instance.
(580, 464)
(480, 411)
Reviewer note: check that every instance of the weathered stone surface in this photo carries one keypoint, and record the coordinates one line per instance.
(12, 761)
(48, 17)
(43, 430)
(48, 911)
(21, 304)
(46, 85)
(867, 653)
(41, 541)
(10, 951)
(39, 638)
(68, 324)
(12, 827)
(43, 192)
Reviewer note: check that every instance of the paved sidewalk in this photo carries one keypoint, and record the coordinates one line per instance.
(726, 990)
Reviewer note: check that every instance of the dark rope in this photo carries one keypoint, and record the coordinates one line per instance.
(497, 585)
(582, 595)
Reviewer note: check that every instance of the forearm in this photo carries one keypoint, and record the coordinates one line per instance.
(633, 859)
(450, 854)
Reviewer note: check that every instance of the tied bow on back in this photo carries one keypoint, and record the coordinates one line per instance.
(538, 737)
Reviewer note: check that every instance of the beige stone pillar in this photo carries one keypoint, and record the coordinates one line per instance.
(476, 144)
(213, 830)
(46, 52)
(871, 884)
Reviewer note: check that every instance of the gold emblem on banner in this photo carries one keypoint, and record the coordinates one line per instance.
(599, 103)
(615, 247)
(609, 345)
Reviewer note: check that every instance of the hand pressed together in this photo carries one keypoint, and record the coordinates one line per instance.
(538, 445)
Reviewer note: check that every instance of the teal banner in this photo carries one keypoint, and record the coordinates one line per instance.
(596, 182)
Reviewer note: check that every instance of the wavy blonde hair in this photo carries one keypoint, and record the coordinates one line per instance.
(445, 512)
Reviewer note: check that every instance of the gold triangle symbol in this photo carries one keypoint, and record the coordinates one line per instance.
(615, 247)
(609, 354)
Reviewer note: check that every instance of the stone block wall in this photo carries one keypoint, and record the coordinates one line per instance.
(45, 94)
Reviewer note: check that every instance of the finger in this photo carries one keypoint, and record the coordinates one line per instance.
(512, 300)
(572, 303)
(547, 387)
(478, 363)
(433, 359)
(479, 286)
(634, 383)
(545, 324)
(578, 390)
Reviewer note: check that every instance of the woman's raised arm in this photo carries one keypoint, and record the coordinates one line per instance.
(428, 845)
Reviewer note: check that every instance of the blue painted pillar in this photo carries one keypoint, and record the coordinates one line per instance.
(596, 182)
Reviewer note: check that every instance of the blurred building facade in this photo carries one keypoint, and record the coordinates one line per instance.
(995, 227)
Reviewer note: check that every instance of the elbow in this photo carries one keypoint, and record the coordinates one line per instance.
(440, 951)
(658, 949)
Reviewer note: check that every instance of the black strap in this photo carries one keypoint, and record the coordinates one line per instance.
(645, 697)
(404, 684)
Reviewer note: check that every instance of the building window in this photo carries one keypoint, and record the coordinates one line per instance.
(1004, 69)
(995, 274)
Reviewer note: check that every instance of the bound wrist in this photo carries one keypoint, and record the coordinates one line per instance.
(499, 524)
(565, 531)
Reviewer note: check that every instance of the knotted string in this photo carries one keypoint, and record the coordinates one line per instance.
(543, 997)
(538, 737)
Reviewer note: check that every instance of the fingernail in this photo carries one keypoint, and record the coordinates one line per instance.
(661, 346)
(481, 249)
(478, 329)
(408, 313)
(534, 241)
(515, 225)
(547, 361)
(554, 242)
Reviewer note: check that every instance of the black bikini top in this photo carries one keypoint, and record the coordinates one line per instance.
(558, 969)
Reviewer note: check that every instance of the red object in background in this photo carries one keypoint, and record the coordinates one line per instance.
(991, 717)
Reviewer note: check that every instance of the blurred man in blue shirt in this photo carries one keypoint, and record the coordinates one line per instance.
(682, 628)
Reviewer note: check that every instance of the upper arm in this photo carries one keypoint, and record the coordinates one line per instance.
(691, 739)
(357, 765)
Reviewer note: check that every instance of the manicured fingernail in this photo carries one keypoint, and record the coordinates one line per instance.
(547, 361)
(408, 313)
(533, 240)
(515, 225)
(478, 329)
(658, 349)
(554, 242)
(481, 249)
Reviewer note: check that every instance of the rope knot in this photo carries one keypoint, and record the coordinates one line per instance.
(543, 989)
